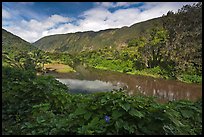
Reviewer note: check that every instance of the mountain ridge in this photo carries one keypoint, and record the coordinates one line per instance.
(92, 40)
(72, 46)
(95, 31)
(13, 44)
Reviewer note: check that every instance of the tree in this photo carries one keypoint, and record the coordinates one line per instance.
(12, 62)
(185, 38)
(152, 51)
(39, 58)
(34, 60)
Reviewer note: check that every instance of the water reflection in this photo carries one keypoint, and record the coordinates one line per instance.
(86, 86)
(93, 79)
(167, 90)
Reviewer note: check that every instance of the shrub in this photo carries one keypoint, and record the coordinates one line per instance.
(191, 78)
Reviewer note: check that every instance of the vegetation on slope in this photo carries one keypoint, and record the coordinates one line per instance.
(88, 41)
(13, 44)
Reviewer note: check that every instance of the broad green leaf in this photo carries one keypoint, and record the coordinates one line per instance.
(125, 106)
(63, 101)
(94, 121)
(116, 114)
(136, 113)
(131, 129)
(103, 100)
(187, 113)
(125, 126)
(87, 116)
(177, 122)
(118, 125)
(79, 111)
(40, 120)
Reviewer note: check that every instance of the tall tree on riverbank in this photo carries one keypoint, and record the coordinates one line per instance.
(152, 50)
(185, 38)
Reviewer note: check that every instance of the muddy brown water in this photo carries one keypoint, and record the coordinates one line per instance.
(89, 80)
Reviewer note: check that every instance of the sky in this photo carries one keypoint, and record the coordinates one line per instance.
(34, 20)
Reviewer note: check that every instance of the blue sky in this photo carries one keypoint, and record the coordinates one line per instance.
(34, 20)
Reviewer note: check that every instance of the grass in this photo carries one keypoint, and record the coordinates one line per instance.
(156, 73)
(190, 78)
(142, 72)
(60, 68)
(65, 70)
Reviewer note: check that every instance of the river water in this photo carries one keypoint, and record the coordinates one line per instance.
(89, 80)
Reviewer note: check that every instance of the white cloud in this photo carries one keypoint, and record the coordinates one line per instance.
(105, 4)
(26, 3)
(157, 9)
(33, 30)
(61, 29)
(57, 19)
(116, 4)
(97, 18)
(5, 14)
(124, 4)
(48, 23)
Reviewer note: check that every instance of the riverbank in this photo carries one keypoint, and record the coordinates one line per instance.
(151, 72)
(143, 73)
(157, 73)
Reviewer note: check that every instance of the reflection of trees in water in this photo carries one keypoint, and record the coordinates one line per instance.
(172, 94)
(163, 89)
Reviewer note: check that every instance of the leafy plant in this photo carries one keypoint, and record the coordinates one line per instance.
(39, 105)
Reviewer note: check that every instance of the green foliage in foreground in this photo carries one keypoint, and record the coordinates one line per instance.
(40, 105)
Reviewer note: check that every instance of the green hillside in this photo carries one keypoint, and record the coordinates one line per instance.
(83, 41)
(13, 44)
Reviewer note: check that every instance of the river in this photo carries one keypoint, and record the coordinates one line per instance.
(89, 80)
